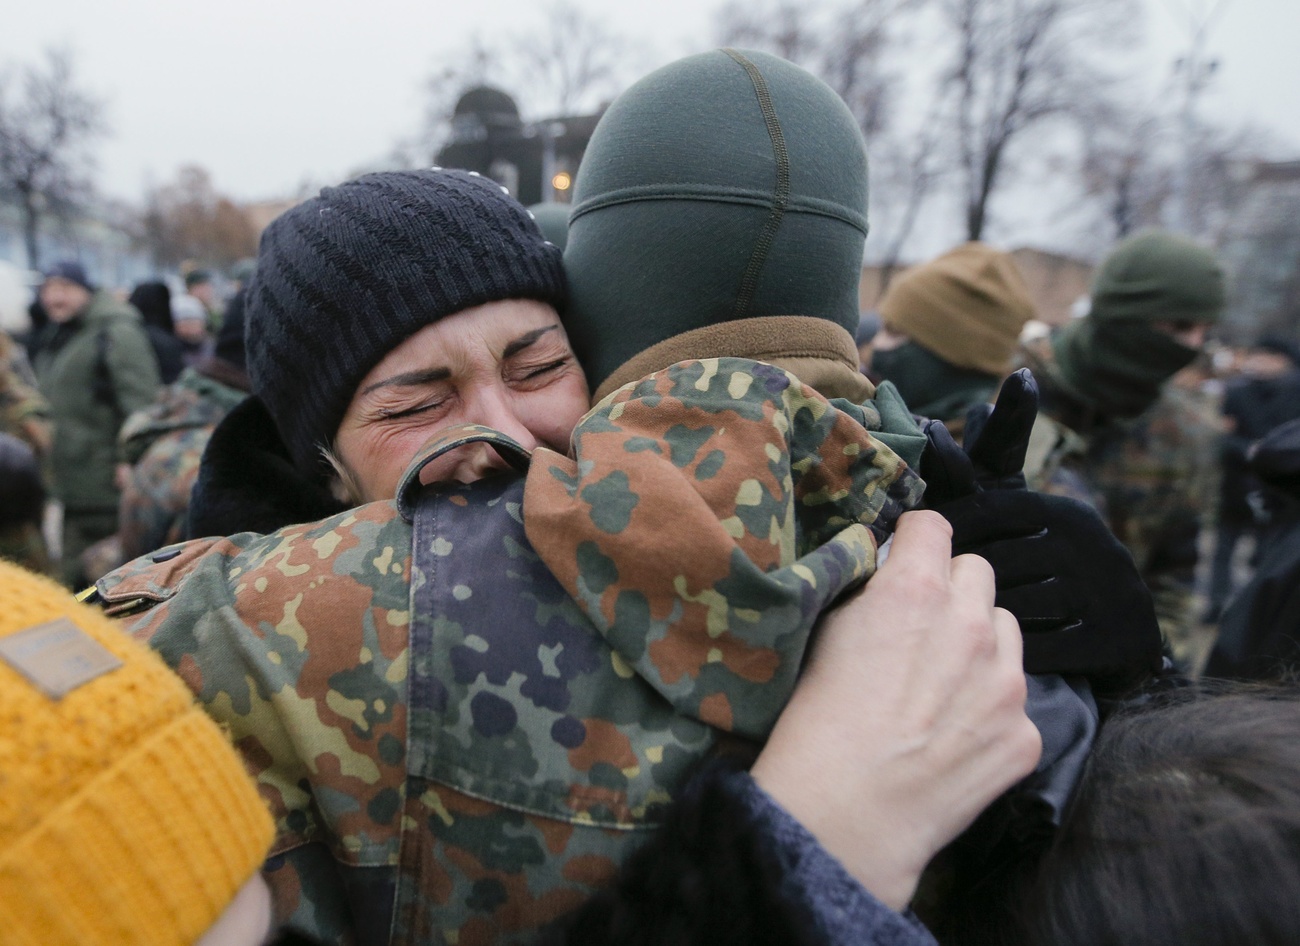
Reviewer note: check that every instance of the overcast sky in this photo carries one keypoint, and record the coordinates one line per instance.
(269, 95)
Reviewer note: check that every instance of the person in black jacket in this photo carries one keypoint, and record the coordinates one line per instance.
(154, 300)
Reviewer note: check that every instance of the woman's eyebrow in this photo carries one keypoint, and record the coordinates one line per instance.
(410, 379)
(523, 341)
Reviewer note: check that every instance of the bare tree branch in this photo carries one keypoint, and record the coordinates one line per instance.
(45, 124)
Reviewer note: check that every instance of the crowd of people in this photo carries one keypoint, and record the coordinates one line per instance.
(477, 574)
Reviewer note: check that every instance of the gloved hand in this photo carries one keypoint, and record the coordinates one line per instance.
(1071, 584)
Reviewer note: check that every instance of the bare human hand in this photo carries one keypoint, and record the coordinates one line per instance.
(910, 717)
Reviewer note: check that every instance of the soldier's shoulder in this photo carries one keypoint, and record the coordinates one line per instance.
(368, 546)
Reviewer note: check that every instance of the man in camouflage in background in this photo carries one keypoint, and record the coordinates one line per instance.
(24, 416)
(163, 442)
(1114, 432)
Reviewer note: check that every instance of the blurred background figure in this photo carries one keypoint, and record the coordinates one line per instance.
(1265, 395)
(22, 506)
(190, 321)
(165, 441)
(1259, 629)
(240, 273)
(1115, 433)
(154, 301)
(199, 284)
(949, 330)
(95, 366)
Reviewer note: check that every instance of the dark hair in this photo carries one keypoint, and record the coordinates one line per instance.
(154, 300)
(22, 497)
(1184, 829)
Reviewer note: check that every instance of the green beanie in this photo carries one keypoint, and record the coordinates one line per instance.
(724, 186)
(1158, 276)
(1114, 360)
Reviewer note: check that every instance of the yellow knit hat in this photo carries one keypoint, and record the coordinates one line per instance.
(126, 816)
(968, 307)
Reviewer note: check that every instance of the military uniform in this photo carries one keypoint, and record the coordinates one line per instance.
(452, 757)
(24, 414)
(164, 443)
(1151, 477)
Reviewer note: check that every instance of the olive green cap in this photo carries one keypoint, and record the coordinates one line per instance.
(724, 186)
(1159, 276)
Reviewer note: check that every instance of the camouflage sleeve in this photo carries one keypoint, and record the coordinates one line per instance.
(708, 515)
(24, 412)
(152, 509)
(297, 642)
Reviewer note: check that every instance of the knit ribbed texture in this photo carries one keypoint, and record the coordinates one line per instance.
(125, 815)
(968, 307)
(344, 278)
(1159, 276)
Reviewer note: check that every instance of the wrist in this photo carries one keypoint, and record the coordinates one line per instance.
(873, 840)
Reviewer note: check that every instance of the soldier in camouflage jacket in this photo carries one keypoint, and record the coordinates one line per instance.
(164, 442)
(1115, 433)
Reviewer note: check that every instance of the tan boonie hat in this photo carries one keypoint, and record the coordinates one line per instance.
(968, 307)
(126, 816)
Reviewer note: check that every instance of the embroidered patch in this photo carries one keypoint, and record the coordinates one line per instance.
(57, 657)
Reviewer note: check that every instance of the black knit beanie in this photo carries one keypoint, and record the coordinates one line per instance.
(345, 277)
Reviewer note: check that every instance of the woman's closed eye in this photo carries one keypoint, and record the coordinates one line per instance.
(398, 413)
(541, 370)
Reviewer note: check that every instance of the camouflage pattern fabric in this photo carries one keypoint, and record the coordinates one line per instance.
(703, 565)
(451, 752)
(24, 412)
(164, 443)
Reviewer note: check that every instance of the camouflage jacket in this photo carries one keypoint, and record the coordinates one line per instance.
(164, 443)
(1153, 478)
(452, 752)
(24, 412)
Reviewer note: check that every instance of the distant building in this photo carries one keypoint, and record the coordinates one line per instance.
(536, 161)
(107, 251)
(1261, 250)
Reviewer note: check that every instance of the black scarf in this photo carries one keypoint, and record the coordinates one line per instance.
(1115, 366)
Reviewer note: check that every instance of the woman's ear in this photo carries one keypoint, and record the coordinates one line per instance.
(343, 486)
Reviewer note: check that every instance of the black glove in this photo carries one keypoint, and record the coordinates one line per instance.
(1071, 584)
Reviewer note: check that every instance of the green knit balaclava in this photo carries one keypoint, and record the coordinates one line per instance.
(1114, 359)
(724, 186)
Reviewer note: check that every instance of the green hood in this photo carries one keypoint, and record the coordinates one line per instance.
(724, 186)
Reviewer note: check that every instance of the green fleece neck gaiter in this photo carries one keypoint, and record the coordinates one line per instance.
(1117, 366)
(931, 386)
(724, 186)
